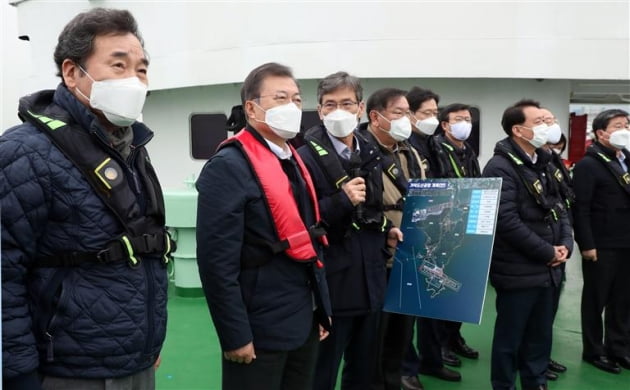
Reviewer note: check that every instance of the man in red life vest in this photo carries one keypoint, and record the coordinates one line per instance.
(259, 243)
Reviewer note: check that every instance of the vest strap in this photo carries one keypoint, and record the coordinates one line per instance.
(124, 249)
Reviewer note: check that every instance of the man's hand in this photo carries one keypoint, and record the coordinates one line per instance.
(243, 354)
(590, 255)
(560, 255)
(355, 190)
(157, 363)
(323, 333)
(394, 235)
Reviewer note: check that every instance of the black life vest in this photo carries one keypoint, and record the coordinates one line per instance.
(563, 177)
(552, 205)
(450, 164)
(294, 237)
(392, 169)
(144, 231)
(371, 214)
(601, 155)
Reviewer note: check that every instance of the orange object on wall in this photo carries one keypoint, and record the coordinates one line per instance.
(577, 137)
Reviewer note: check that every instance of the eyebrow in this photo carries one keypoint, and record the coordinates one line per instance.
(124, 54)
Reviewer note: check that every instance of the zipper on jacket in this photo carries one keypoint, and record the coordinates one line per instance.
(50, 357)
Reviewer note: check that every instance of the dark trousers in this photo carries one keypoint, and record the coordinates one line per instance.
(394, 334)
(429, 353)
(451, 333)
(353, 338)
(522, 337)
(606, 286)
(275, 370)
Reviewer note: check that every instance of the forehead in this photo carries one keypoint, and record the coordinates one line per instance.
(342, 93)
(398, 102)
(531, 113)
(618, 120)
(428, 105)
(272, 84)
(114, 46)
(459, 113)
(545, 112)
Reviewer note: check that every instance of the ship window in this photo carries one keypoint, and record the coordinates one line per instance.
(207, 131)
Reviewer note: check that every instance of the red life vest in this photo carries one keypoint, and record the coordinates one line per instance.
(278, 194)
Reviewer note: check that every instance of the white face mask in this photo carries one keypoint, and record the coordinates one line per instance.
(340, 123)
(540, 135)
(554, 133)
(120, 100)
(461, 130)
(620, 139)
(283, 120)
(427, 125)
(557, 151)
(399, 129)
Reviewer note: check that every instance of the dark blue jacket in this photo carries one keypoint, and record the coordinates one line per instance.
(270, 303)
(602, 207)
(525, 232)
(355, 259)
(106, 320)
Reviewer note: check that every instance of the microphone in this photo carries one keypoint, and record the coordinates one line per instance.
(355, 171)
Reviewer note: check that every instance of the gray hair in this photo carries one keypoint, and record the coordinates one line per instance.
(339, 80)
(76, 41)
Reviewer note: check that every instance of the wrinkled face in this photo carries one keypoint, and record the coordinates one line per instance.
(274, 91)
(533, 117)
(427, 109)
(548, 117)
(454, 117)
(343, 99)
(113, 57)
(396, 109)
(615, 124)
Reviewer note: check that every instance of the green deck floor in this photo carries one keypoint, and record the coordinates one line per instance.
(191, 354)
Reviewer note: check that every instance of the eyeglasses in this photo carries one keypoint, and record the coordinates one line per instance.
(283, 98)
(346, 105)
(462, 119)
(429, 113)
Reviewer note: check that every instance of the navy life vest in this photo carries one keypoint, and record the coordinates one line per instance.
(532, 183)
(144, 231)
(371, 211)
(294, 237)
(599, 153)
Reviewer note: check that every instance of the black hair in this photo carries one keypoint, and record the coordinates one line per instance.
(514, 114)
(452, 108)
(253, 82)
(416, 96)
(76, 41)
(602, 119)
(381, 98)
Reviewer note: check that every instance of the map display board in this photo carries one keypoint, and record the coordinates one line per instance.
(441, 268)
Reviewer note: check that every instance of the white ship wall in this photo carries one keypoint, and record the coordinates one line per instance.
(484, 53)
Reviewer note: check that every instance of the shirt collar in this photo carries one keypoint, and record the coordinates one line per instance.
(340, 147)
(283, 154)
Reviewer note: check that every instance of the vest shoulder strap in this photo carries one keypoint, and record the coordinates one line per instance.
(294, 237)
(108, 179)
(327, 158)
(623, 178)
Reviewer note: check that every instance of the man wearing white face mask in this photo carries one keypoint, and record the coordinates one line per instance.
(388, 129)
(347, 173)
(601, 213)
(423, 105)
(455, 158)
(84, 247)
(561, 175)
(259, 243)
(423, 112)
(533, 238)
